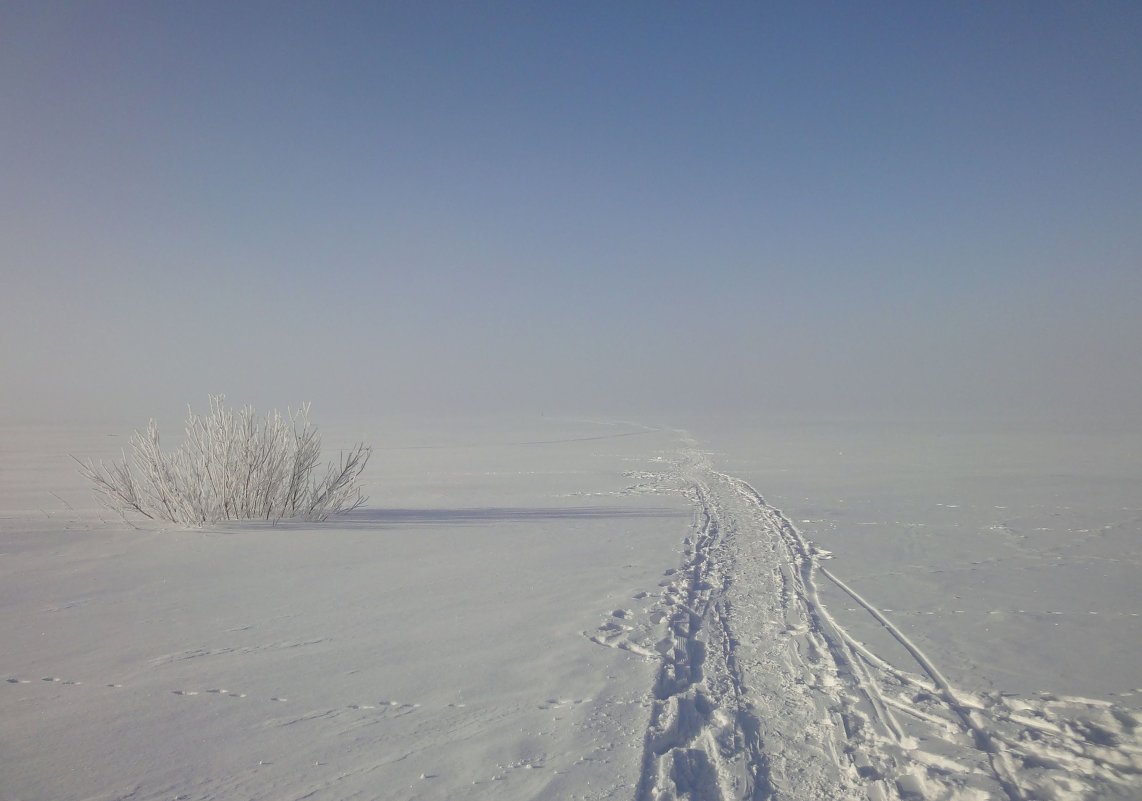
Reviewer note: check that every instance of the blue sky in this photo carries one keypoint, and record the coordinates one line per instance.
(911, 209)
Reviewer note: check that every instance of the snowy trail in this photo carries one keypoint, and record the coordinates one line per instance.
(762, 693)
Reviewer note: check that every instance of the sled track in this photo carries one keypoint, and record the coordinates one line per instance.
(762, 694)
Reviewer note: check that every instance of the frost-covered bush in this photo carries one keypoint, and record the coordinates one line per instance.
(233, 465)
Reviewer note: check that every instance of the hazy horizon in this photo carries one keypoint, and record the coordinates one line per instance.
(858, 210)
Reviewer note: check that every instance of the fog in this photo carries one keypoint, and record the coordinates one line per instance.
(634, 212)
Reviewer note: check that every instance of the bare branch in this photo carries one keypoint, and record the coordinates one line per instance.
(231, 466)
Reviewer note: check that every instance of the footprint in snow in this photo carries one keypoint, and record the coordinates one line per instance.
(50, 680)
(561, 703)
(227, 693)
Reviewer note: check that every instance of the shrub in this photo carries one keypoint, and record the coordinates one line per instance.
(233, 465)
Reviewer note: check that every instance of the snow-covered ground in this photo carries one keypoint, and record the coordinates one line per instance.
(558, 609)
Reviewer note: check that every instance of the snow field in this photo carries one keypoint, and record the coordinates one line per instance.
(587, 611)
(419, 650)
(763, 693)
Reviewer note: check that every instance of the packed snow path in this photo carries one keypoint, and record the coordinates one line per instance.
(762, 693)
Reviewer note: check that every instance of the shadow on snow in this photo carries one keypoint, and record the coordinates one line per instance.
(498, 514)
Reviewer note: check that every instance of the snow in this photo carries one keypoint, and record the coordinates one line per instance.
(1015, 549)
(577, 609)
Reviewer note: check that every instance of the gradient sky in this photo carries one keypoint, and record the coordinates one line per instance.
(588, 208)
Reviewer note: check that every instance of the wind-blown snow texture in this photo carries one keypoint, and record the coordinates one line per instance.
(444, 643)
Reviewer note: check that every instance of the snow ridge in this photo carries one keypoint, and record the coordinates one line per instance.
(762, 694)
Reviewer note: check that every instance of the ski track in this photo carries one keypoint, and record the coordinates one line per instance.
(762, 694)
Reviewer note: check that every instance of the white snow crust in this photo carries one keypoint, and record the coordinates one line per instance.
(597, 610)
